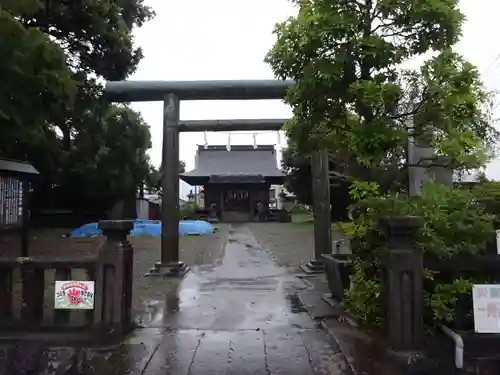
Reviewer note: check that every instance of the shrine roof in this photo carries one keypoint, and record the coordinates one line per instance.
(240, 164)
(15, 167)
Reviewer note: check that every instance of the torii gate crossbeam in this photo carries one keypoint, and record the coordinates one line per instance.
(171, 92)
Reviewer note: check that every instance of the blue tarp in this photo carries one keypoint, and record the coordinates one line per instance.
(149, 228)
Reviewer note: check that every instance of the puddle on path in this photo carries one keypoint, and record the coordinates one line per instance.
(296, 305)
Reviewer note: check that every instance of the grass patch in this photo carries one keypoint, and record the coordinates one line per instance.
(302, 218)
(339, 226)
(307, 218)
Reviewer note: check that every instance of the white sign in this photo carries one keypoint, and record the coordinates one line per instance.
(498, 241)
(74, 295)
(486, 303)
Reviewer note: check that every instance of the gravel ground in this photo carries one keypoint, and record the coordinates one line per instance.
(290, 244)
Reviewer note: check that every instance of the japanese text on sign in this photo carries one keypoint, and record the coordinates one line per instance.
(74, 295)
(486, 303)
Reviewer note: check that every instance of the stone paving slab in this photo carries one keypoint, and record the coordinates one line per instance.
(247, 353)
(201, 352)
(316, 306)
(362, 356)
(152, 351)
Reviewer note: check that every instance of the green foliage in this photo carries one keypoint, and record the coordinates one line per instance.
(36, 83)
(302, 218)
(350, 96)
(298, 171)
(488, 194)
(188, 210)
(455, 222)
(360, 190)
(52, 110)
(455, 109)
(299, 175)
(443, 299)
(154, 177)
(298, 208)
(95, 35)
(108, 163)
(362, 301)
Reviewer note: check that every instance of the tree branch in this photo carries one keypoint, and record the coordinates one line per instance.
(382, 25)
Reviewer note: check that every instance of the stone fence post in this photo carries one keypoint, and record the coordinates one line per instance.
(116, 258)
(402, 283)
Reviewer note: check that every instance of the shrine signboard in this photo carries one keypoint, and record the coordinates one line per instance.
(486, 304)
(11, 201)
(15, 179)
(498, 241)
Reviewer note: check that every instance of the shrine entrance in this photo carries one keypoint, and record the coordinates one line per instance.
(171, 93)
(236, 200)
(235, 179)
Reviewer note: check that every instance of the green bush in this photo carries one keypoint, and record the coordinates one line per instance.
(455, 222)
(188, 210)
(298, 208)
(488, 194)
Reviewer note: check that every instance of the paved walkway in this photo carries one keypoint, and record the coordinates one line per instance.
(236, 317)
(239, 316)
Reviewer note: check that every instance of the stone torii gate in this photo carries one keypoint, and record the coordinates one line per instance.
(171, 93)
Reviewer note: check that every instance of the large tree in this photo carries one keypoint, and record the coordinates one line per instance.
(108, 160)
(96, 38)
(55, 55)
(352, 96)
(36, 85)
(55, 49)
(95, 35)
(154, 178)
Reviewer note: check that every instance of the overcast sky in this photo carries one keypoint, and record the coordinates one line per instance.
(228, 39)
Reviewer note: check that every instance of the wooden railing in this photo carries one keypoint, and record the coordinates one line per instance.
(27, 294)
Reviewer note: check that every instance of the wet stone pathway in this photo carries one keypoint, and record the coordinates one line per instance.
(239, 316)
